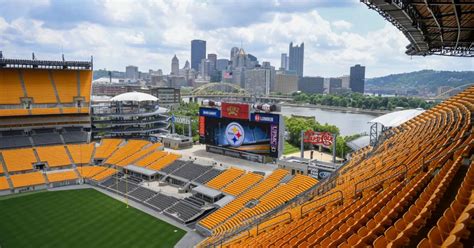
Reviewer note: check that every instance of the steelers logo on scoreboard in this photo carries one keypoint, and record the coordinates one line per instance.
(234, 134)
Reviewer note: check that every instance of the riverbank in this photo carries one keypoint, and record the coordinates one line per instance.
(340, 109)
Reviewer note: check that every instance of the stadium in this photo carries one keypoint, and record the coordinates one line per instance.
(61, 186)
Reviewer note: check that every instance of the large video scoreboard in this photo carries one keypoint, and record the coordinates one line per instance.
(233, 129)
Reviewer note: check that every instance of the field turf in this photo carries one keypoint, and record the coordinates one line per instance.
(79, 218)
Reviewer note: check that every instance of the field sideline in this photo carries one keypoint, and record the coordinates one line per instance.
(79, 218)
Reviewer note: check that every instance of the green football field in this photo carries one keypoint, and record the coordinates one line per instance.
(79, 218)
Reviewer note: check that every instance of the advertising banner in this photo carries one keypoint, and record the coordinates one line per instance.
(202, 126)
(265, 118)
(210, 112)
(325, 139)
(235, 111)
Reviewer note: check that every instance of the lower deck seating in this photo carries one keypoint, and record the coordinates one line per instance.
(55, 156)
(90, 171)
(19, 159)
(143, 194)
(163, 162)
(242, 184)
(81, 153)
(106, 148)
(162, 202)
(413, 189)
(209, 175)
(191, 171)
(4, 183)
(173, 166)
(27, 179)
(104, 174)
(225, 178)
(61, 176)
(183, 211)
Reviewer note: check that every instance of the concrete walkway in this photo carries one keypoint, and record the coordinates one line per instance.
(190, 239)
(199, 153)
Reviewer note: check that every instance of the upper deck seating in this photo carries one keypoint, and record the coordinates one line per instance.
(39, 86)
(131, 147)
(12, 91)
(66, 84)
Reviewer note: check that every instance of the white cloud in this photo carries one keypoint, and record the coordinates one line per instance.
(149, 33)
(341, 24)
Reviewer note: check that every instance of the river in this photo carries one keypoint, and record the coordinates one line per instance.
(347, 122)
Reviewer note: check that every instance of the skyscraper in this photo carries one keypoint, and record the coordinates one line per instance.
(296, 59)
(198, 52)
(175, 65)
(357, 78)
(221, 64)
(233, 52)
(212, 57)
(131, 72)
(284, 62)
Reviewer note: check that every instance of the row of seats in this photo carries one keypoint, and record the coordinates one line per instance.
(61, 176)
(81, 153)
(225, 178)
(136, 156)
(39, 85)
(273, 199)
(242, 184)
(55, 156)
(106, 148)
(387, 196)
(222, 214)
(163, 162)
(123, 152)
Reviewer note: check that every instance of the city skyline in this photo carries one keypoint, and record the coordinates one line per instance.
(337, 34)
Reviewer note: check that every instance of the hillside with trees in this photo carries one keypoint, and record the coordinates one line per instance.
(425, 80)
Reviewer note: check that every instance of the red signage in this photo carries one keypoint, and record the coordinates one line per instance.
(235, 110)
(318, 138)
(202, 126)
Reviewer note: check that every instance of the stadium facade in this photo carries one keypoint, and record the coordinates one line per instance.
(132, 114)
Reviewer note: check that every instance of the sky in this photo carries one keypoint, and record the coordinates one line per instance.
(148, 33)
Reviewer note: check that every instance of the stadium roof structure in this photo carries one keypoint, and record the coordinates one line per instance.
(440, 27)
(359, 143)
(397, 118)
(133, 97)
(44, 64)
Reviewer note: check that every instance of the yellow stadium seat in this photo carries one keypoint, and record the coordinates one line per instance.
(11, 87)
(81, 153)
(55, 156)
(4, 183)
(27, 179)
(61, 176)
(19, 159)
(66, 84)
(38, 85)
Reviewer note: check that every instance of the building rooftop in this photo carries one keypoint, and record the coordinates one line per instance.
(133, 97)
